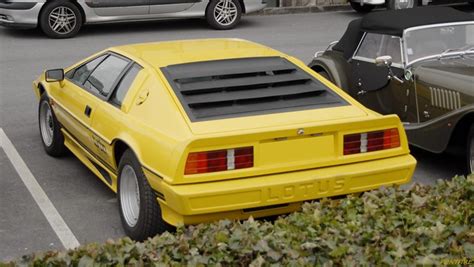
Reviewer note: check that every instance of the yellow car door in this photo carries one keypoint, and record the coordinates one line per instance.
(87, 87)
(110, 118)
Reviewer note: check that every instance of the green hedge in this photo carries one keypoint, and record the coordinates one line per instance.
(422, 225)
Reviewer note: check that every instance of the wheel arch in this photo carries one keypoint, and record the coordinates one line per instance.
(458, 139)
(119, 147)
(332, 68)
(83, 14)
(241, 2)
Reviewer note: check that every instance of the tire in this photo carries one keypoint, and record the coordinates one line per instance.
(470, 151)
(60, 19)
(50, 129)
(141, 216)
(217, 9)
(361, 8)
(397, 4)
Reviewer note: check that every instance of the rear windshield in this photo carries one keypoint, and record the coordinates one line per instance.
(243, 87)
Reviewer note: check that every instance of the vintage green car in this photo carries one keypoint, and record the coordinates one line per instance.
(417, 63)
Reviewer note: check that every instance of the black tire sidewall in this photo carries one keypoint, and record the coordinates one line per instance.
(212, 21)
(57, 147)
(150, 221)
(43, 19)
(470, 139)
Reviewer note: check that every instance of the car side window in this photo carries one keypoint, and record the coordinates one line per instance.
(125, 84)
(374, 45)
(103, 78)
(80, 74)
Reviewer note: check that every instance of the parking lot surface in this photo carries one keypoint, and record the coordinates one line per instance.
(87, 206)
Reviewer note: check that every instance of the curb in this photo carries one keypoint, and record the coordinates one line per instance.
(302, 9)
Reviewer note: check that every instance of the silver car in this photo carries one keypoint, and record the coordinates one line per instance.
(64, 18)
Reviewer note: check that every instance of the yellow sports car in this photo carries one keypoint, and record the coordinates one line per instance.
(193, 131)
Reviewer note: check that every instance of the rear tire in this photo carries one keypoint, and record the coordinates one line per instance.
(50, 129)
(223, 14)
(398, 4)
(60, 19)
(361, 8)
(470, 151)
(139, 210)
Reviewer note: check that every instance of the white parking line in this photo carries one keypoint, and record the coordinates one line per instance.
(58, 224)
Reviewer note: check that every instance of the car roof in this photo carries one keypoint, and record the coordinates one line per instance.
(162, 54)
(394, 22)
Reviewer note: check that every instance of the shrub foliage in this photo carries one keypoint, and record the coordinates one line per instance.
(389, 226)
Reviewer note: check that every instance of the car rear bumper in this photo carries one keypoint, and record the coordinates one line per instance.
(20, 14)
(279, 193)
(252, 6)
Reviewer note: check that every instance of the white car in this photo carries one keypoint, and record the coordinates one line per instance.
(364, 6)
(64, 18)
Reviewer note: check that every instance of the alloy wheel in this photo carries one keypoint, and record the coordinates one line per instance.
(225, 12)
(129, 195)
(46, 123)
(62, 20)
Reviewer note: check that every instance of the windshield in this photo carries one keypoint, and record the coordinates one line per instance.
(439, 40)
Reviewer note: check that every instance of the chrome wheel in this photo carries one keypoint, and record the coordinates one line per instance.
(225, 12)
(62, 20)
(401, 4)
(46, 123)
(129, 195)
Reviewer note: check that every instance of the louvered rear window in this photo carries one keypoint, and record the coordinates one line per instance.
(248, 86)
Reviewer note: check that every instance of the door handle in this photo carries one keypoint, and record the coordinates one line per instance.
(88, 111)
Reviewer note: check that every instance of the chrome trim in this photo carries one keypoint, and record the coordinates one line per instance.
(408, 63)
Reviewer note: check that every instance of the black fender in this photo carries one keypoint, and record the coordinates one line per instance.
(336, 67)
(451, 128)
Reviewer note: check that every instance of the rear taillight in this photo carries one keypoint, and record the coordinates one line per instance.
(371, 141)
(219, 160)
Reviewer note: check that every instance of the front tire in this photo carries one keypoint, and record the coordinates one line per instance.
(223, 14)
(139, 210)
(470, 151)
(399, 4)
(361, 8)
(60, 19)
(50, 129)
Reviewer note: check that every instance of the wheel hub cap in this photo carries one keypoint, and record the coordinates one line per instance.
(129, 195)
(46, 123)
(62, 20)
(225, 12)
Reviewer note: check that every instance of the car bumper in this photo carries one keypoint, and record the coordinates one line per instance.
(370, 2)
(20, 14)
(252, 6)
(276, 194)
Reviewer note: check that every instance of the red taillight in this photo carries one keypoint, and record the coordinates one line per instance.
(219, 160)
(371, 141)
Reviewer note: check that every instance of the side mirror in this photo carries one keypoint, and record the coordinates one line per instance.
(55, 75)
(383, 61)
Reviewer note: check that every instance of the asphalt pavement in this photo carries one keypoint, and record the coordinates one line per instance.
(87, 206)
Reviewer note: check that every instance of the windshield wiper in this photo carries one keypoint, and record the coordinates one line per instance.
(464, 50)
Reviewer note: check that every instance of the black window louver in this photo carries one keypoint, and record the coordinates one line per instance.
(247, 86)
